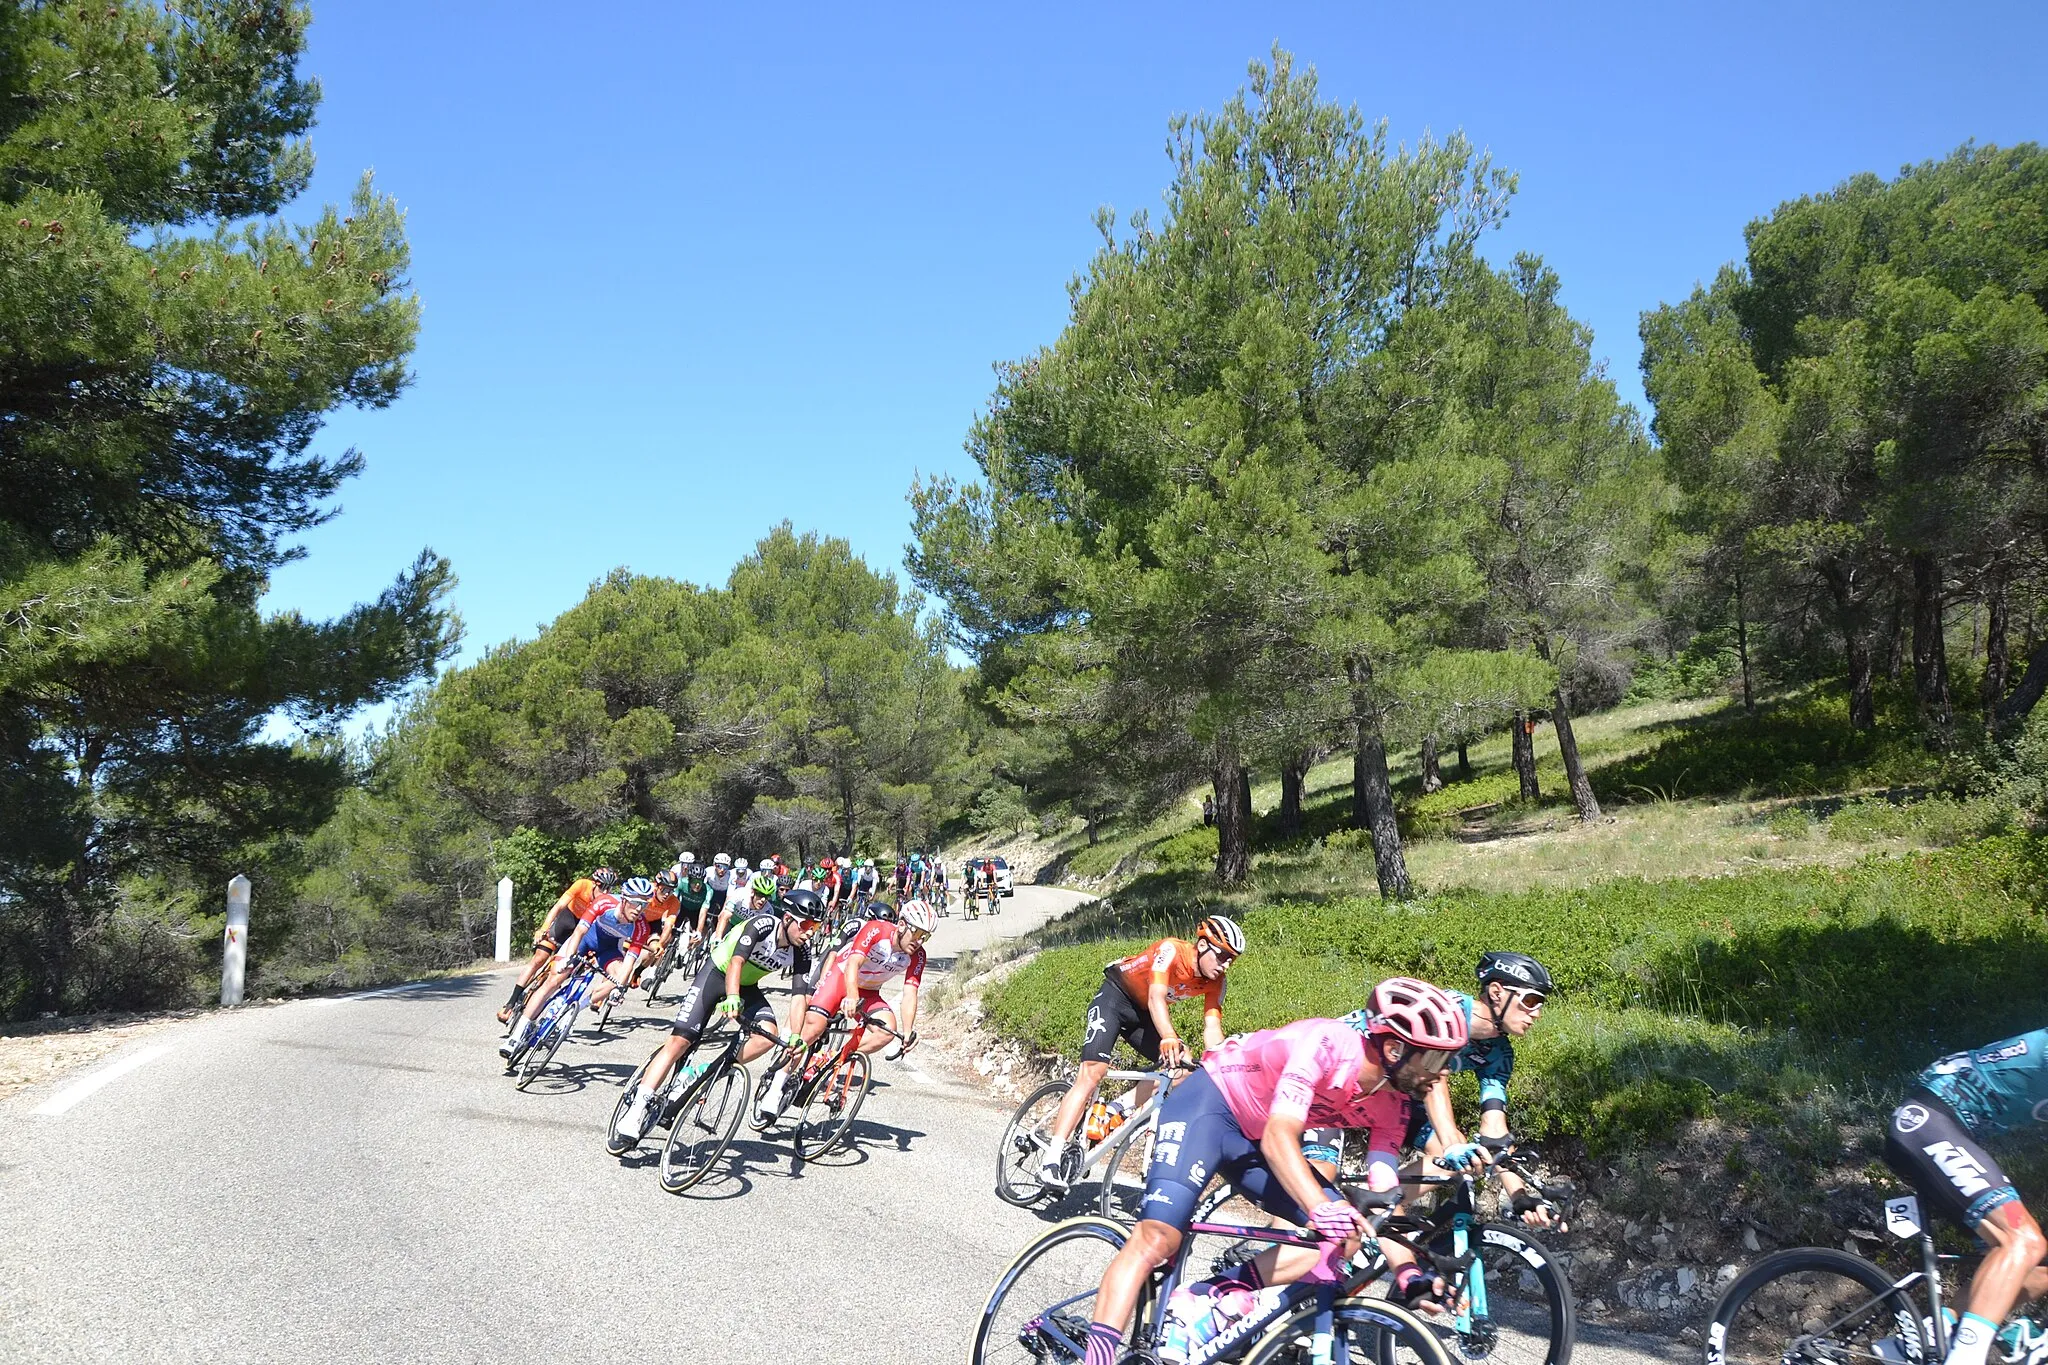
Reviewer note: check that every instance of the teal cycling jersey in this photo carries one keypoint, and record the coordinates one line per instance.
(1996, 1088)
(1492, 1060)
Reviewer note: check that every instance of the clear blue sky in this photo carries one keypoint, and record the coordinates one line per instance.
(687, 271)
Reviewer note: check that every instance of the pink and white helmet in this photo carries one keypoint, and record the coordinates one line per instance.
(1419, 1014)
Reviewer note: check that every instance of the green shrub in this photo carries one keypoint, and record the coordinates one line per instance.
(1937, 820)
(1798, 748)
(1191, 850)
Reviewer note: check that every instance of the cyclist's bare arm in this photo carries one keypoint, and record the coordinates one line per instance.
(1212, 1029)
(1157, 1003)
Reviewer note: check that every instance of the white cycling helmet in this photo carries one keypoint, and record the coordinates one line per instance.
(685, 859)
(917, 915)
(846, 862)
(739, 865)
(723, 860)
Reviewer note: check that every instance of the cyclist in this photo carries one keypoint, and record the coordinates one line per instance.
(664, 913)
(770, 939)
(555, 926)
(989, 886)
(693, 889)
(851, 980)
(867, 882)
(1512, 989)
(720, 879)
(900, 874)
(1134, 1004)
(1241, 1116)
(1934, 1141)
(615, 930)
(739, 897)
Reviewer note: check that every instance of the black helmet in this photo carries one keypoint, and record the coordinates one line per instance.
(666, 879)
(1517, 971)
(803, 905)
(784, 884)
(882, 910)
(605, 878)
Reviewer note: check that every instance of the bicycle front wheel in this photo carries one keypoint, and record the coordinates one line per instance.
(1039, 1311)
(541, 1053)
(706, 1124)
(829, 1109)
(616, 1142)
(1530, 1317)
(1122, 1187)
(1364, 1330)
(1023, 1145)
(1813, 1305)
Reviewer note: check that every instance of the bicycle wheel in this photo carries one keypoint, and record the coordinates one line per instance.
(1366, 1329)
(1041, 1306)
(1815, 1305)
(1530, 1316)
(706, 1124)
(541, 1052)
(660, 974)
(1121, 1186)
(1024, 1143)
(614, 1141)
(828, 1110)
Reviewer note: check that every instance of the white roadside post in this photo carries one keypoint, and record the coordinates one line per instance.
(504, 919)
(234, 953)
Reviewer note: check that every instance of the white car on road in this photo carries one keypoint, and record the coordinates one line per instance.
(970, 877)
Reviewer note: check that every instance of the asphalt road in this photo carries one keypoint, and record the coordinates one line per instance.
(356, 1180)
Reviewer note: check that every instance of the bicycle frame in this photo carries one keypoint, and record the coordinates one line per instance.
(1135, 1122)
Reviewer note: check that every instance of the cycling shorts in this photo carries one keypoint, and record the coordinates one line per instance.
(830, 993)
(558, 925)
(700, 1001)
(1198, 1141)
(717, 901)
(1927, 1144)
(1113, 1014)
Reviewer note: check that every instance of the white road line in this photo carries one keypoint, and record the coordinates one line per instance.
(71, 1094)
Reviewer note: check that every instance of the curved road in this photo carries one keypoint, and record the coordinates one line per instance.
(355, 1179)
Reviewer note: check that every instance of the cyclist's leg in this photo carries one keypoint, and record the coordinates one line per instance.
(1111, 1015)
(873, 1006)
(756, 1009)
(1929, 1145)
(1210, 1142)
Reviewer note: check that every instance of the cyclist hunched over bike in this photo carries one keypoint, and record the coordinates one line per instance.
(1935, 1141)
(1241, 1115)
(1133, 1004)
(615, 932)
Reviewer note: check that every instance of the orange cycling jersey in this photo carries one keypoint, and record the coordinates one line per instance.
(662, 906)
(577, 899)
(1169, 963)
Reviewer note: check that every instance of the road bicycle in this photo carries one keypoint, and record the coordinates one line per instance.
(700, 1109)
(1121, 1154)
(1040, 1308)
(1821, 1306)
(830, 1088)
(671, 957)
(552, 1028)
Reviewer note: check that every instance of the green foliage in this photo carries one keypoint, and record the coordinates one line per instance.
(172, 353)
(1673, 996)
(1000, 809)
(1803, 747)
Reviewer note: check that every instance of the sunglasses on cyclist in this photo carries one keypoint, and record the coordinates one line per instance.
(1528, 1000)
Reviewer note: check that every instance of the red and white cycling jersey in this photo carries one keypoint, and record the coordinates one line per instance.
(880, 956)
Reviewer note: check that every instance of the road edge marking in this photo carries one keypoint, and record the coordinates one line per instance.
(68, 1097)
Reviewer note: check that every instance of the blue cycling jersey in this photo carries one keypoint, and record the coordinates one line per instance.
(1997, 1088)
(1490, 1059)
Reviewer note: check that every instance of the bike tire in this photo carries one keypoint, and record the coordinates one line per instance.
(1019, 1323)
(1533, 1319)
(540, 1054)
(1792, 1295)
(1372, 1329)
(612, 1142)
(1120, 1189)
(1023, 1146)
(706, 1124)
(826, 1121)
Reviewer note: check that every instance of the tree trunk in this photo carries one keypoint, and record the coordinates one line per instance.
(1568, 749)
(1997, 652)
(1464, 761)
(1432, 772)
(1742, 645)
(1293, 777)
(1232, 788)
(1862, 704)
(1930, 655)
(2032, 683)
(1895, 642)
(1522, 745)
(1372, 790)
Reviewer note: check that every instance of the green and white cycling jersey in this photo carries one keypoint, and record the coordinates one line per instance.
(1996, 1088)
(756, 941)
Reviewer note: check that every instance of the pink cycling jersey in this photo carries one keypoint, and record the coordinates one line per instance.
(880, 956)
(1309, 1070)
